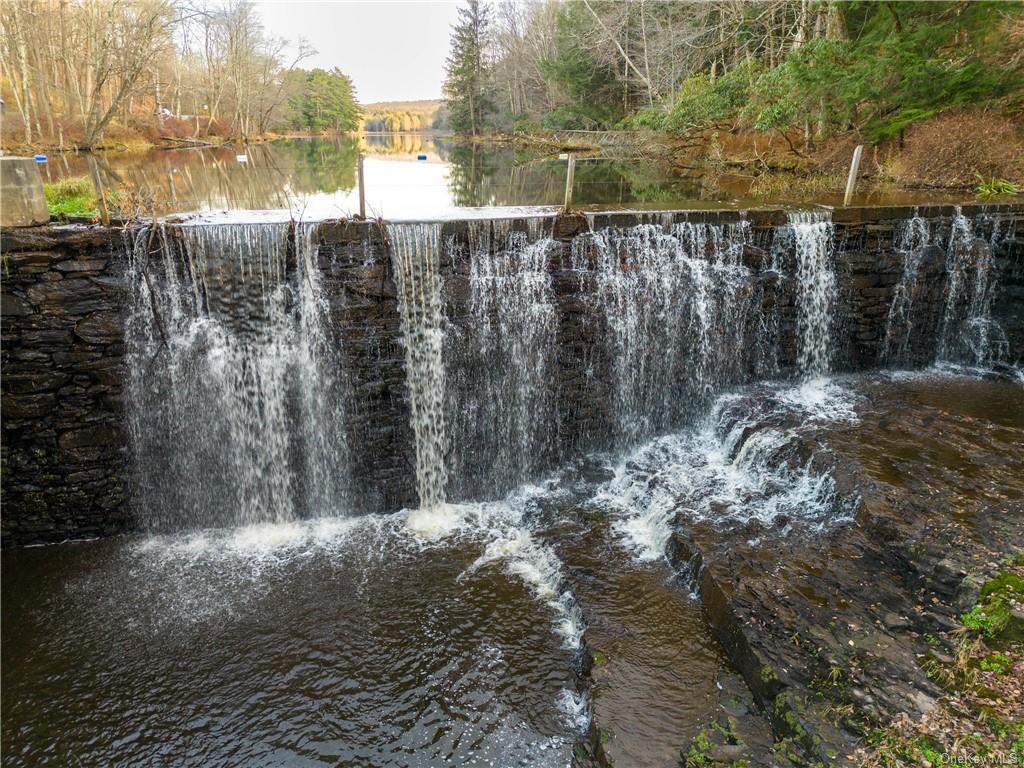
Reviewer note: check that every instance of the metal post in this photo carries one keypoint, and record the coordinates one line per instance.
(362, 189)
(571, 171)
(851, 182)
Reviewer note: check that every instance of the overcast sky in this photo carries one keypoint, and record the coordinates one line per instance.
(394, 50)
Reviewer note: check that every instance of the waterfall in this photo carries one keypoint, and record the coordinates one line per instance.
(816, 291)
(415, 255)
(675, 302)
(235, 406)
(952, 267)
(501, 409)
(967, 333)
(911, 239)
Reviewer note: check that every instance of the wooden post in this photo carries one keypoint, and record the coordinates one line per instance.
(362, 189)
(97, 183)
(851, 182)
(570, 172)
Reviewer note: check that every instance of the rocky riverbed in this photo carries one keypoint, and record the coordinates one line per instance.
(838, 633)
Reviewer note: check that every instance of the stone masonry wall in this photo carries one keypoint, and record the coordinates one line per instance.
(64, 451)
(65, 454)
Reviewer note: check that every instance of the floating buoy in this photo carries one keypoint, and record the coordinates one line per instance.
(40, 158)
(421, 157)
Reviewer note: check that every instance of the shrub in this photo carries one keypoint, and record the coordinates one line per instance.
(575, 117)
(702, 101)
(992, 613)
(997, 663)
(995, 187)
(652, 118)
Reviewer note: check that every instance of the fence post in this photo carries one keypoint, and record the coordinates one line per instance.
(571, 171)
(851, 181)
(362, 189)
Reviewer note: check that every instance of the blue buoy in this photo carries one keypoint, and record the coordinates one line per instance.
(40, 158)
(421, 157)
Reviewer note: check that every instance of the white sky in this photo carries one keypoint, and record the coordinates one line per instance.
(394, 50)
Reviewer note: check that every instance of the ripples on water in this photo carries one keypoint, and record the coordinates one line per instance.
(419, 637)
(373, 640)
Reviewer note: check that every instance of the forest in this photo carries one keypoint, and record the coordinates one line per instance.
(802, 69)
(116, 73)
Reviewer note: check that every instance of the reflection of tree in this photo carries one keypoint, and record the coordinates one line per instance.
(480, 175)
(193, 179)
(466, 177)
(319, 165)
(395, 143)
(277, 172)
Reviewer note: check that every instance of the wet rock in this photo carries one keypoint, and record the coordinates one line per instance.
(12, 305)
(81, 265)
(99, 328)
(34, 381)
(754, 258)
(946, 577)
(727, 753)
(101, 434)
(68, 296)
(967, 593)
(569, 225)
(894, 621)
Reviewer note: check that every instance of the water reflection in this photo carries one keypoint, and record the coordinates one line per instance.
(407, 175)
(411, 175)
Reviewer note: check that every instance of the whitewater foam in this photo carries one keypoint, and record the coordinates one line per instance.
(733, 469)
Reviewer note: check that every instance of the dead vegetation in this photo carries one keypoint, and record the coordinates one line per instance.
(954, 149)
(980, 719)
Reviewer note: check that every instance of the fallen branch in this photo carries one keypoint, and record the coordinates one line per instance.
(188, 141)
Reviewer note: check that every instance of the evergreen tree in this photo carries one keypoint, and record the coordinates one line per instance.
(324, 100)
(466, 85)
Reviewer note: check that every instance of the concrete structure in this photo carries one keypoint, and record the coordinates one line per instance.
(22, 202)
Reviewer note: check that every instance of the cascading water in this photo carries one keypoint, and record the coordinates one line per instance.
(952, 265)
(234, 400)
(415, 256)
(746, 465)
(675, 304)
(501, 395)
(812, 234)
(967, 333)
(912, 237)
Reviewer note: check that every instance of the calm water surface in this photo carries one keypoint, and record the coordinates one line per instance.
(316, 178)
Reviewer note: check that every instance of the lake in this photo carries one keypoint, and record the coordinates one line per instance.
(409, 176)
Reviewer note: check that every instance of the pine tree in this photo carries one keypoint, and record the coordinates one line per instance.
(465, 87)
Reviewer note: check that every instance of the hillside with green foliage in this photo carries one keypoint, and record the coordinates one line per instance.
(819, 67)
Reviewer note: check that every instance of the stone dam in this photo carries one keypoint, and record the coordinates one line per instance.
(196, 374)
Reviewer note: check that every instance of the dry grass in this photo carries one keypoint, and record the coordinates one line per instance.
(951, 151)
(954, 149)
(781, 184)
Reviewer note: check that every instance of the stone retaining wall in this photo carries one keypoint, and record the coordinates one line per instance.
(65, 455)
(65, 452)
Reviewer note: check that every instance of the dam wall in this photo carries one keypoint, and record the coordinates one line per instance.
(362, 367)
